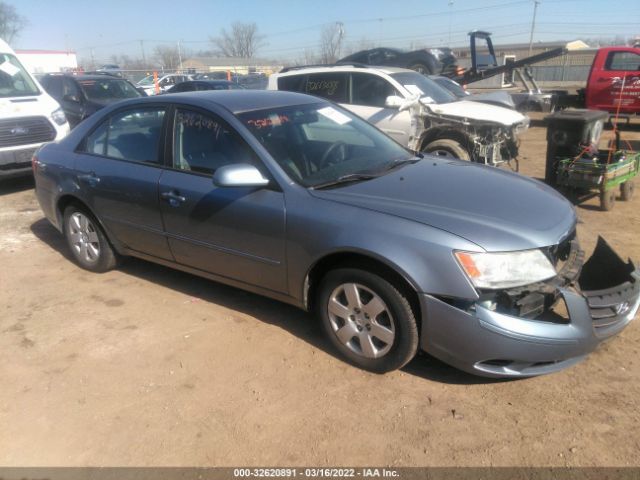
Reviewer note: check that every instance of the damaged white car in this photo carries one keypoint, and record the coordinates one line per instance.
(414, 110)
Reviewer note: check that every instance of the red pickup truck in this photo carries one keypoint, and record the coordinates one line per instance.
(614, 80)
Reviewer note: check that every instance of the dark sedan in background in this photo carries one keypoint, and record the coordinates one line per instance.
(292, 197)
(427, 61)
(82, 95)
(199, 85)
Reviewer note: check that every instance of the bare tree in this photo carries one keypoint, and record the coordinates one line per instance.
(308, 57)
(11, 23)
(330, 42)
(168, 56)
(243, 40)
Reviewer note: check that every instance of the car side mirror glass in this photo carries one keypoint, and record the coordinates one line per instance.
(393, 101)
(239, 175)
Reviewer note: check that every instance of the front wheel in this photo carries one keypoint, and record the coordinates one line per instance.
(87, 242)
(367, 319)
(448, 149)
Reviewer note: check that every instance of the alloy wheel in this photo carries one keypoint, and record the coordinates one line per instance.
(84, 237)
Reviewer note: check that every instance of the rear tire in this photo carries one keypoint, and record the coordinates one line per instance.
(607, 199)
(88, 244)
(367, 319)
(627, 190)
(421, 68)
(448, 149)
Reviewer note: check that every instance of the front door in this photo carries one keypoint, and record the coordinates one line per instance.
(237, 233)
(616, 84)
(368, 95)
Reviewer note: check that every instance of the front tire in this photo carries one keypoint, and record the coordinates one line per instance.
(367, 319)
(448, 149)
(87, 241)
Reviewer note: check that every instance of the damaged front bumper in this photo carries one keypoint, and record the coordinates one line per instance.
(600, 301)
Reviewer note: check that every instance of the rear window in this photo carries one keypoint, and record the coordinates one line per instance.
(105, 90)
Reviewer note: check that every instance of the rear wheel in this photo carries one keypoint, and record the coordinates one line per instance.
(627, 190)
(448, 149)
(421, 68)
(87, 242)
(607, 199)
(367, 319)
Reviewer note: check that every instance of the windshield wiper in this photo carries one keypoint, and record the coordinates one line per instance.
(403, 161)
(351, 177)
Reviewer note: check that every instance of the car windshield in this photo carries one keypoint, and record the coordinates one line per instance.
(108, 89)
(14, 80)
(318, 144)
(452, 86)
(147, 81)
(418, 84)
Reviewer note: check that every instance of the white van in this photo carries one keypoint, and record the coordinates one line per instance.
(29, 117)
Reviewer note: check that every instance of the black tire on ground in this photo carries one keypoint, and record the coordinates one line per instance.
(87, 241)
(447, 148)
(397, 316)
(607, 199)
(627, 190)
(421, 68)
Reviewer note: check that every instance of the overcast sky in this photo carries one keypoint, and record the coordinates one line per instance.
(117, 26)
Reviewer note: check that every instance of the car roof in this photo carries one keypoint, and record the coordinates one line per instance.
(343, 68)
(238, 101)
(85, 77)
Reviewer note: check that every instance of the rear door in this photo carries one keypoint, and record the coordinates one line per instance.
(237, 233)
(118, 169)
(614, 82)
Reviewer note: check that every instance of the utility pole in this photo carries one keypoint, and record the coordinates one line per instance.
(340, 36)
(93, 62)
(179, 55)
(533, 24)
(144, 59)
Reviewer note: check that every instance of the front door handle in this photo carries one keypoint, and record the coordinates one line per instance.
(90, 178)
(173, 198)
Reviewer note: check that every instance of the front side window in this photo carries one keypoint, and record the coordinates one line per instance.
(317, 144)
(14, 80)
(70, 89)
(133, 135)
(53, 86)
(370, 90)
(203, 143)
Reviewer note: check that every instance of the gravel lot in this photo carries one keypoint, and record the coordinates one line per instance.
(150, 366)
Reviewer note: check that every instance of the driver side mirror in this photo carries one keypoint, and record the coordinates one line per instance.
(393, 101)
(239, 175)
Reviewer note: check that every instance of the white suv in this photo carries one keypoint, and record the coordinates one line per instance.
(413, 109)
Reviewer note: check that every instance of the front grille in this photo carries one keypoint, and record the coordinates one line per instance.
(25, 131)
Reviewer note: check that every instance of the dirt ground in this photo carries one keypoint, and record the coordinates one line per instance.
(149, 366)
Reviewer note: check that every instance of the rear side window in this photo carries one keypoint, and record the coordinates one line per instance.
(133, 135)
(623, 61)
(332, 86)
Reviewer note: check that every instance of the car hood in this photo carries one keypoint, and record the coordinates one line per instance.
(500, 99)
(28, 106)
(478, 111)
(495, 209)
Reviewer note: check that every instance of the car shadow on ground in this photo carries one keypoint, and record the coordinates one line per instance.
(17, 184)
(286, 317)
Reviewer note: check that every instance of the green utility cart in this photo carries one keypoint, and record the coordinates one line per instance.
(577, 167)
(602, 174)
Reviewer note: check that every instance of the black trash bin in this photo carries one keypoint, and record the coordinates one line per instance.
(569, 132)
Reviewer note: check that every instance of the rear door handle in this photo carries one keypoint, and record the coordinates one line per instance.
(173, 198)
(90, 178)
